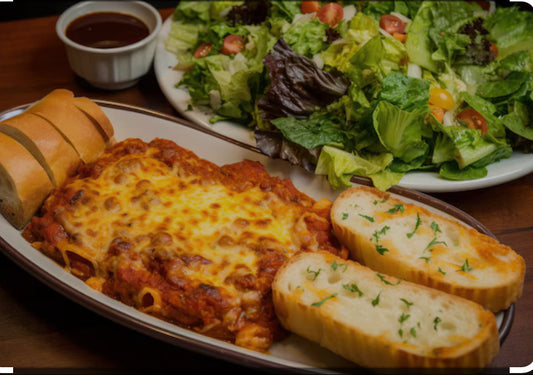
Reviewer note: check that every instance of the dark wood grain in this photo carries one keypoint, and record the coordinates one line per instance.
(42, 331)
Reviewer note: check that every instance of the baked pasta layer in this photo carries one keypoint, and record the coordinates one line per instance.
(158, 228)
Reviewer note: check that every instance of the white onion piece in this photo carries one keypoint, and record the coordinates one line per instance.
(340, 41)
(414, 70)
(492, 7)
(449, 118)
(349, 12)
(401, 16)
(318, 61)
(215, 100)
(384, 32)
(224, 12)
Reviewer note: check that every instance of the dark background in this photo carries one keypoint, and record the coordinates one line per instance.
(19, 9)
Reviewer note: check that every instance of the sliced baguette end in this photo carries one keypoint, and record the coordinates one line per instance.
(323, 310)
(496, 275)
(24, 184)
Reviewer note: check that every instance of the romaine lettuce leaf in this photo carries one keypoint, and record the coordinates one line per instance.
(376, 9)
(341, 165)
(285, 9)
(470, 148)
(183, 36)
(451, 171)
(449, 45)
(521, 61)
(433, 36)
(511, 29)
(192, 11)
(229, 84)
(495, 128)
(419, 45)
(199, 82)
(400, 131)
(520, 119)
(381, 55)
(516, 86)
(407, 93)
(307, 36)
(443, 149)
(316, 131)
(361, 29)
(385, 179)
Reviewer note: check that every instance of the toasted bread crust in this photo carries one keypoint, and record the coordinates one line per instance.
(59, 110)
(47, 146)
(43, 146)
(441, 253)
(99, 118)
(24, 184)
(315, 296)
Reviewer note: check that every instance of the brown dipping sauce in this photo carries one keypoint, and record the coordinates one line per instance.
(106, 30)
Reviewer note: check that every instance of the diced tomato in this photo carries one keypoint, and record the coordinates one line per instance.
(494, 49)
(233, 44)
(309, 6)
(53, 233)
(441, 98)
(202, 50)
(401, 37)
(392, 24)
(473, 120)
(331, 13)
(438, 113)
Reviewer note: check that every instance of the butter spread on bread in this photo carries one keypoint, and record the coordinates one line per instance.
(408, 241)
(380, 321)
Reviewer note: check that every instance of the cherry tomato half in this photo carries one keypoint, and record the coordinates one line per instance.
(331, 13)
(392, 24)
(494, 49)
(438, 113)
(441, 98)
(400, 37)
(309, 6)
(473, 120)
(233, 44)
(202, 50)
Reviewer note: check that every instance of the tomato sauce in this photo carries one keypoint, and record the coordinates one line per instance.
(107, 30)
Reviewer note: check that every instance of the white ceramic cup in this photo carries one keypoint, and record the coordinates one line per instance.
(112, 68)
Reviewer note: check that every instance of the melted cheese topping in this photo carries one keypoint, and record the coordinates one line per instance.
(141, 201)
(181, 238)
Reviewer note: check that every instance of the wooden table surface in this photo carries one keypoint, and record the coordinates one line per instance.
(43, 331)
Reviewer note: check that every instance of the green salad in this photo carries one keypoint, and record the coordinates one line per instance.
(365, 88)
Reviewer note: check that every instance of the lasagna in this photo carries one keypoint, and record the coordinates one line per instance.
(176, 236)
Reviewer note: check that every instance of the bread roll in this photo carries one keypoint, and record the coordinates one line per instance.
(24, 184)
(45, 143)
(97, 115)
(58, 108)
(379, 321)
(413, 243)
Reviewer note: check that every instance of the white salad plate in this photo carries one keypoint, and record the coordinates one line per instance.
(518, 165)
(292, 353)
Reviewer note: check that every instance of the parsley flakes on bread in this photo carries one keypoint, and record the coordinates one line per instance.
(410, 242)
(380, 321)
